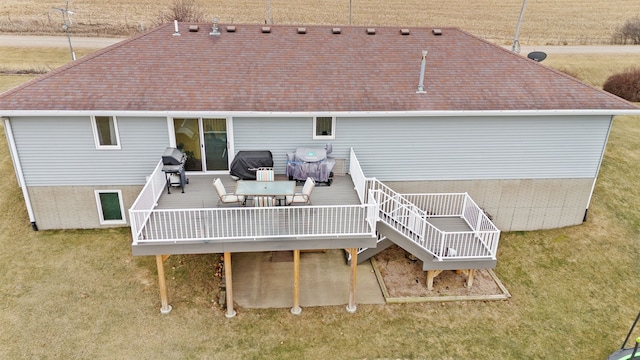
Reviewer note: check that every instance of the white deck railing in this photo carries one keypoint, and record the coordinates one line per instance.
(357, 176)
(405, 213)
(147, 200)
(149, 224)
(236, 223)
(459, 205)
(439, 205)
(409, 214)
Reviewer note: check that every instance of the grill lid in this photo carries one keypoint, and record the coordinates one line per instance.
(172, 156)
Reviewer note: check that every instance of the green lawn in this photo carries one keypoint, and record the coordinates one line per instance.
(82, 295)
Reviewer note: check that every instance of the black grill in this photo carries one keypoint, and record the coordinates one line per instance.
(173, 161)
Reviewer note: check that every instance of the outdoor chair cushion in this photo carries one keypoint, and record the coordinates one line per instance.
(265, 174)
(223, 195)
(305, 195)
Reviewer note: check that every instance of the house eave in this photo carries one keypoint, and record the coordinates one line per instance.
(420, 113)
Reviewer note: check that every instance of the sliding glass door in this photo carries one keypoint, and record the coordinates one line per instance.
(215, 144)
(204, 141)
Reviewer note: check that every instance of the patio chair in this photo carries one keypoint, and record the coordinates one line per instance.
(223, 196)
(262, 201)
(265, 174)
(303, 197)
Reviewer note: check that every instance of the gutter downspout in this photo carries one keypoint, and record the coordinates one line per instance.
(18, 167)
(593, 186)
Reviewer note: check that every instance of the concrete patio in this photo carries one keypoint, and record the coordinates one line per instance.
(265, 280)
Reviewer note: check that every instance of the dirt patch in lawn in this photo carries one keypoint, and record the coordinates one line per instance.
(404, 278)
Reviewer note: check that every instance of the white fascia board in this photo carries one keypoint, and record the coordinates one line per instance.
(563, 112)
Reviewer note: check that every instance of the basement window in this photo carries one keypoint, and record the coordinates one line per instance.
(110, 207)
(105, 132)
(324, 127)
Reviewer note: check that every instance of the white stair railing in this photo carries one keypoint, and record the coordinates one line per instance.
(409, 214)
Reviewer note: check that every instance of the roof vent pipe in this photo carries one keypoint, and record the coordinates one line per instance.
(214, 28)
(175, 24)
(422, 67)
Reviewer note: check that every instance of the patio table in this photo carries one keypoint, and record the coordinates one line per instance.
(277, 189)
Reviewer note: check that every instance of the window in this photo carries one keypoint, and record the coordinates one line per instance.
(105, 132)
(324, 127)
(110, 207)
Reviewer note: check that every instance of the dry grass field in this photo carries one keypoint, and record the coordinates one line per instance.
(545, 22)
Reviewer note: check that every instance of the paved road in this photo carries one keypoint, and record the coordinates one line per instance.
(582, 49)
(96, 43)
(56, 41)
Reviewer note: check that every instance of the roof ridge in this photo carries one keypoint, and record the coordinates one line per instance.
(80, 61)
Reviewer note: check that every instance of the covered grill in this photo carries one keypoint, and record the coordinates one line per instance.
(245, 163)
(311, 162)
(173, 161)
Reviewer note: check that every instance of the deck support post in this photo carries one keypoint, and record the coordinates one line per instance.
(228, 285)
(431, 274)
(296, 309)
(470, 274)
(351, 308)
(165, 308)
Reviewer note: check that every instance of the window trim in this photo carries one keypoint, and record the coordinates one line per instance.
(324, 137)
(99, 206)
(96, 138)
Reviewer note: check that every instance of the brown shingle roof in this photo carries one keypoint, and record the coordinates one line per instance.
(286, 71)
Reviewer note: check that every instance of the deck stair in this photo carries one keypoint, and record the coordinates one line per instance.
(366, 253)
(445, 231)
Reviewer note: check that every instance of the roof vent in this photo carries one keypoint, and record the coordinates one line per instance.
(193, 28)
(266, 29)
(422, 68)
(335, 30)
(302, 30)
(231, 28)
(214, 28)
(437, 32)
(371, 31)
(405, 32)
(175, 25)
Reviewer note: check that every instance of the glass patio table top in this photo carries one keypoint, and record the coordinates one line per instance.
(265, 188)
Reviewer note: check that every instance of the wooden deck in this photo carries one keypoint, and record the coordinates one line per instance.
(189, 223)
(186, 222)
(199, 193)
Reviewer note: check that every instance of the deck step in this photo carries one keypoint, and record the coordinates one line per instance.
(402, 241)
(367, 253)
(430, 262)
(458, 264)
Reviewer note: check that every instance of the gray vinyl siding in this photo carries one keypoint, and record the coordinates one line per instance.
(478, 148)
(280, 136)
(445, 148)
(61, 151)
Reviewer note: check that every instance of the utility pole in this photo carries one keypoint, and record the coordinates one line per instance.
(65, 18)
(516, 43)
(268, 12)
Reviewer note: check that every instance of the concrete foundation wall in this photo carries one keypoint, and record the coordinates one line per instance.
(74, 207)
(517, 205)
